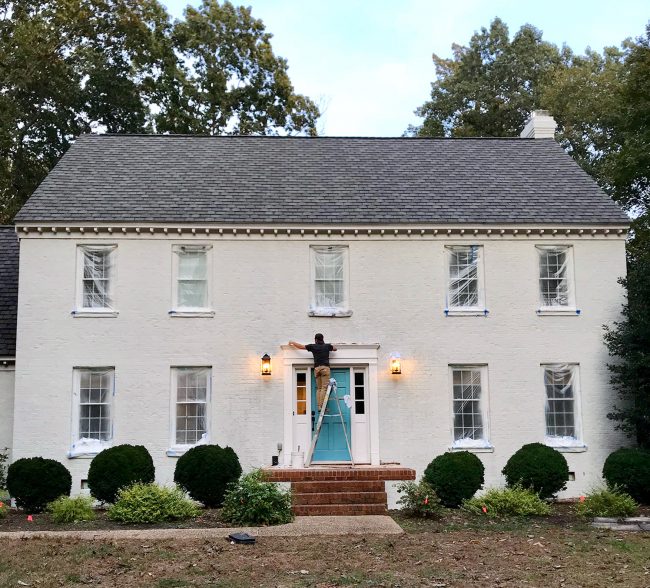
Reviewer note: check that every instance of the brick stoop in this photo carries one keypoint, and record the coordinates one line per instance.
(343, 490)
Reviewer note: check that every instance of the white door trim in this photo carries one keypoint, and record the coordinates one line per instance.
(346, 355)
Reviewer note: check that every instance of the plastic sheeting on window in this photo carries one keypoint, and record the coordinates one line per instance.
(192, 385)
(464, 289)
(192, 276)
(560, 386)
(468, 409)
(554, 283)
(329, 280)
(97, 276)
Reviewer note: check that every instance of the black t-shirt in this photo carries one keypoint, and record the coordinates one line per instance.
(321, 352)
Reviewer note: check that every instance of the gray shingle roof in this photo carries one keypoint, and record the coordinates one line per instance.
(8, 290)
(122, 178)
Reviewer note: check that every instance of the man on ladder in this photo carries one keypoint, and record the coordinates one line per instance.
(321, 352)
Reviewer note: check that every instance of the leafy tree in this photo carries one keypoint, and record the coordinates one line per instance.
(490, 87)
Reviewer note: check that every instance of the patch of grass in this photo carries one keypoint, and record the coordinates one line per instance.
(73, 579)
(171, 583)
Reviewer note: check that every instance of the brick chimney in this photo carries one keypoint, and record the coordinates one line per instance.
(540, 125)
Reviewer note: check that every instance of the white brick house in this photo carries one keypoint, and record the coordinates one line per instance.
(155, 271)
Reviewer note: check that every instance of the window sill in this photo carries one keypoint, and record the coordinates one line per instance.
(568, 448)
(88, 313)
(330, 312)
(88, 451)
(205, 313)
(558, 312)
(473, 448)
(178, 450)
(466, 312)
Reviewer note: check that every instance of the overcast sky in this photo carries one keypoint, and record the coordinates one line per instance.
(367, 63)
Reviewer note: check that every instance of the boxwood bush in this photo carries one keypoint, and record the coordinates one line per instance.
(629, 470)
(72, 510)
(205, 471)
(608, 502)
(118, 467)
(538, 467)
(455, 477)
(35, 481)
(150, 503)
(515, 501)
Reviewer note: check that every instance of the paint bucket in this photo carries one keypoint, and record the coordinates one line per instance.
(298, 459)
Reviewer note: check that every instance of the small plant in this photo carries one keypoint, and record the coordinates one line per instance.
(72, 510)
(516, 501)
(538, 467)
(629, 470)
(118, 467)
(253, 501)
(607, 502)
(4, 457)
(35, 481)
(455, 477)
(205, 471)
(150, 503)
(418, 500)
(4, 509)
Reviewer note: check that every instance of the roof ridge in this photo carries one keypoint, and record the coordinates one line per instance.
(302, 137)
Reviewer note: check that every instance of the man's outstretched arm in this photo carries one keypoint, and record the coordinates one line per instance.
(297, 345)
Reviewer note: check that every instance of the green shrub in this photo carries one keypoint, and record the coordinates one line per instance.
(608, 502)
(35, 481)
(118, 467)
(418, 500)
(538, 467)
(150, 503)
(205, 471)
(253, 501)
(455, 477)
(629, 470)
(72, 510)
(515, 501)
(4, 509)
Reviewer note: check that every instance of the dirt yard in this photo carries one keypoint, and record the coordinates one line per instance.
(457, 551)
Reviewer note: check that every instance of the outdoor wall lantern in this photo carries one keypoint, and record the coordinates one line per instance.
(266, 365)
(395, 364)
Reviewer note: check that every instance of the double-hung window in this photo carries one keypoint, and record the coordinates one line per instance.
(191, 296)
(330, 287)
(465, 289)
(556, 289)
(190, 407)
(93, 410)
(469, 398)
(561, 405)
(96, 282)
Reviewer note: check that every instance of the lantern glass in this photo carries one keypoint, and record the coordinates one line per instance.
(395, 364)
(266, 365)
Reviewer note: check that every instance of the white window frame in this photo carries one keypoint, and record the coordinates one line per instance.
(475, 445)
(81, 310)
(88, 447)
(565, 444)
(191, 311)
(559, 309)
(480, 308)
(342, 310)
(177, 449)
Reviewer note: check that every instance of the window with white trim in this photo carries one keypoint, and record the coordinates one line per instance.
(465, 289)
(190, 404)
(556, 277)
(561, 403)
(469, 397)
(330, 288)
(93, 394)
(191, 279)
(96, 272)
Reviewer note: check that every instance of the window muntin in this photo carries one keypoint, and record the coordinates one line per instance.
(301, 393)
(561, 388)
(555, 276)
(469, 398)
(192, 277)
(95, 389)
(97, 275)
(465, 279)
(330, 289)
(191, 396)
(359, 392)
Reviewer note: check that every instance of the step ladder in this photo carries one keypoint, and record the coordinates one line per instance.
(331, 387)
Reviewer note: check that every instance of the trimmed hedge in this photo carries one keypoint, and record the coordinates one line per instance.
(629, 470)
(455, 477)
(35, 481)
(150, 503)
(119, 467)
(538, 467)
(205, 471)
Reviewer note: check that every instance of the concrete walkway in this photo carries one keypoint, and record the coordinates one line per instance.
(301, 527)
(624, 524)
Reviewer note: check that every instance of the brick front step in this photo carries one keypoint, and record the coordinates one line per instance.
(339, 509)
(357, 498)
(346, 486)
(338, 474)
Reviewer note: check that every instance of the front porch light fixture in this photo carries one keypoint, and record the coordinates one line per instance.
(395, 364)
(265, 368)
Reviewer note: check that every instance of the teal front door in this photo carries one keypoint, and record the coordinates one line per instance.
(331, 445)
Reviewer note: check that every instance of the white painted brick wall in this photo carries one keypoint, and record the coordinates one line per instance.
(261, 297)
(6, 406)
